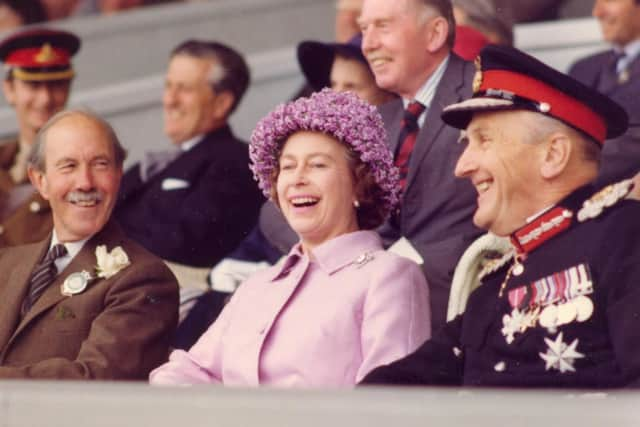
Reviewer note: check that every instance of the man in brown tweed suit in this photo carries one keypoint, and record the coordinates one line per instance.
(109, 308)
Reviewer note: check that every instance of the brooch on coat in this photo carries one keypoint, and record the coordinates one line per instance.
(363, 259)
(108, 264)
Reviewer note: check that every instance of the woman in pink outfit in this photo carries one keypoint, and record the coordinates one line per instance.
(337, 305)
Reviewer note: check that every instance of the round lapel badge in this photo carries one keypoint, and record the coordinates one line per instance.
(75, 283)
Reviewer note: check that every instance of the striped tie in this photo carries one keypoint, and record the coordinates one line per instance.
(407, 139)
(43, 274)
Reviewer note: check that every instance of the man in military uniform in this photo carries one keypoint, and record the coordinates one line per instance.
(38, 74)
(562, 307)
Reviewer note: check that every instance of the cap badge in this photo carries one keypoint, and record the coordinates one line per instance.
(477, 78)
(46, 54)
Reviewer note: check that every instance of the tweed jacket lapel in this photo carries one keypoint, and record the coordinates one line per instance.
(449, 91)
(16, 287)
(110, 235)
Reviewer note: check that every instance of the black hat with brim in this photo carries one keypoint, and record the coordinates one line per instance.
(316, 59)
(509, 79)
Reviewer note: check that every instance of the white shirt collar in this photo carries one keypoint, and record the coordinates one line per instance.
(190, 143)
(426, 93)
(631, 52)
(72, 250)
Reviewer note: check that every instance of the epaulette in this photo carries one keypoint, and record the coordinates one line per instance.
(604, 199)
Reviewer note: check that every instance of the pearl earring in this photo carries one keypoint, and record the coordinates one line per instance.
(356, 204)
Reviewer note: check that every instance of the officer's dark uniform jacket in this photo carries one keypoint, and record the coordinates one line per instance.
(581, 274)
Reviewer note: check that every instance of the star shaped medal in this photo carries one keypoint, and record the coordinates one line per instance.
(559, 355)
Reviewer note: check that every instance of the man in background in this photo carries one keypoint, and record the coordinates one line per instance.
(408, 46)
(616, 73)
(194, 203)
(37, 82)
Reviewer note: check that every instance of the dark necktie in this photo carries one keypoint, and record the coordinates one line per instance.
(623, 66)
(407, 139)
(43, 274)
(609, 77)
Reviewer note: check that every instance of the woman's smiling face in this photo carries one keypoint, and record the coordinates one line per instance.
(315, 187)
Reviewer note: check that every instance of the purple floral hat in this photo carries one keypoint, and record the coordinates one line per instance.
(341, 115)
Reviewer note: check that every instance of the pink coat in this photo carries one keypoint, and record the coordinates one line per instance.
(324, 322)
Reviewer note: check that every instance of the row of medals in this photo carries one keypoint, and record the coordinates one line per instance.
(553, 314)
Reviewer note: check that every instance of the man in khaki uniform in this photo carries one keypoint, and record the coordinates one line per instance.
(37, 81)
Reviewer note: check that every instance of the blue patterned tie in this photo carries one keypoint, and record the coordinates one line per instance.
(43, 274)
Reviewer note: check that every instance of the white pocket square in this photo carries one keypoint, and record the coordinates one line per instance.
(174, 184)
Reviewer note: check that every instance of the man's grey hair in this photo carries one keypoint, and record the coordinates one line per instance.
(37, 155)
(445, 9)
(231, 75)
(539, 127)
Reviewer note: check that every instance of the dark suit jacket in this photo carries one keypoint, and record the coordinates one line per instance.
(620, 156)
(199, 224)
(118, 328)
(437, 208)
(31, 221)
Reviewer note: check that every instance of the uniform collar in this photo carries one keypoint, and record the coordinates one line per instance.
(335, 254)
(549, 223)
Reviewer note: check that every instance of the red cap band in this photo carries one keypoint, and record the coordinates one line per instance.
(563, 107)
(38, 57)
